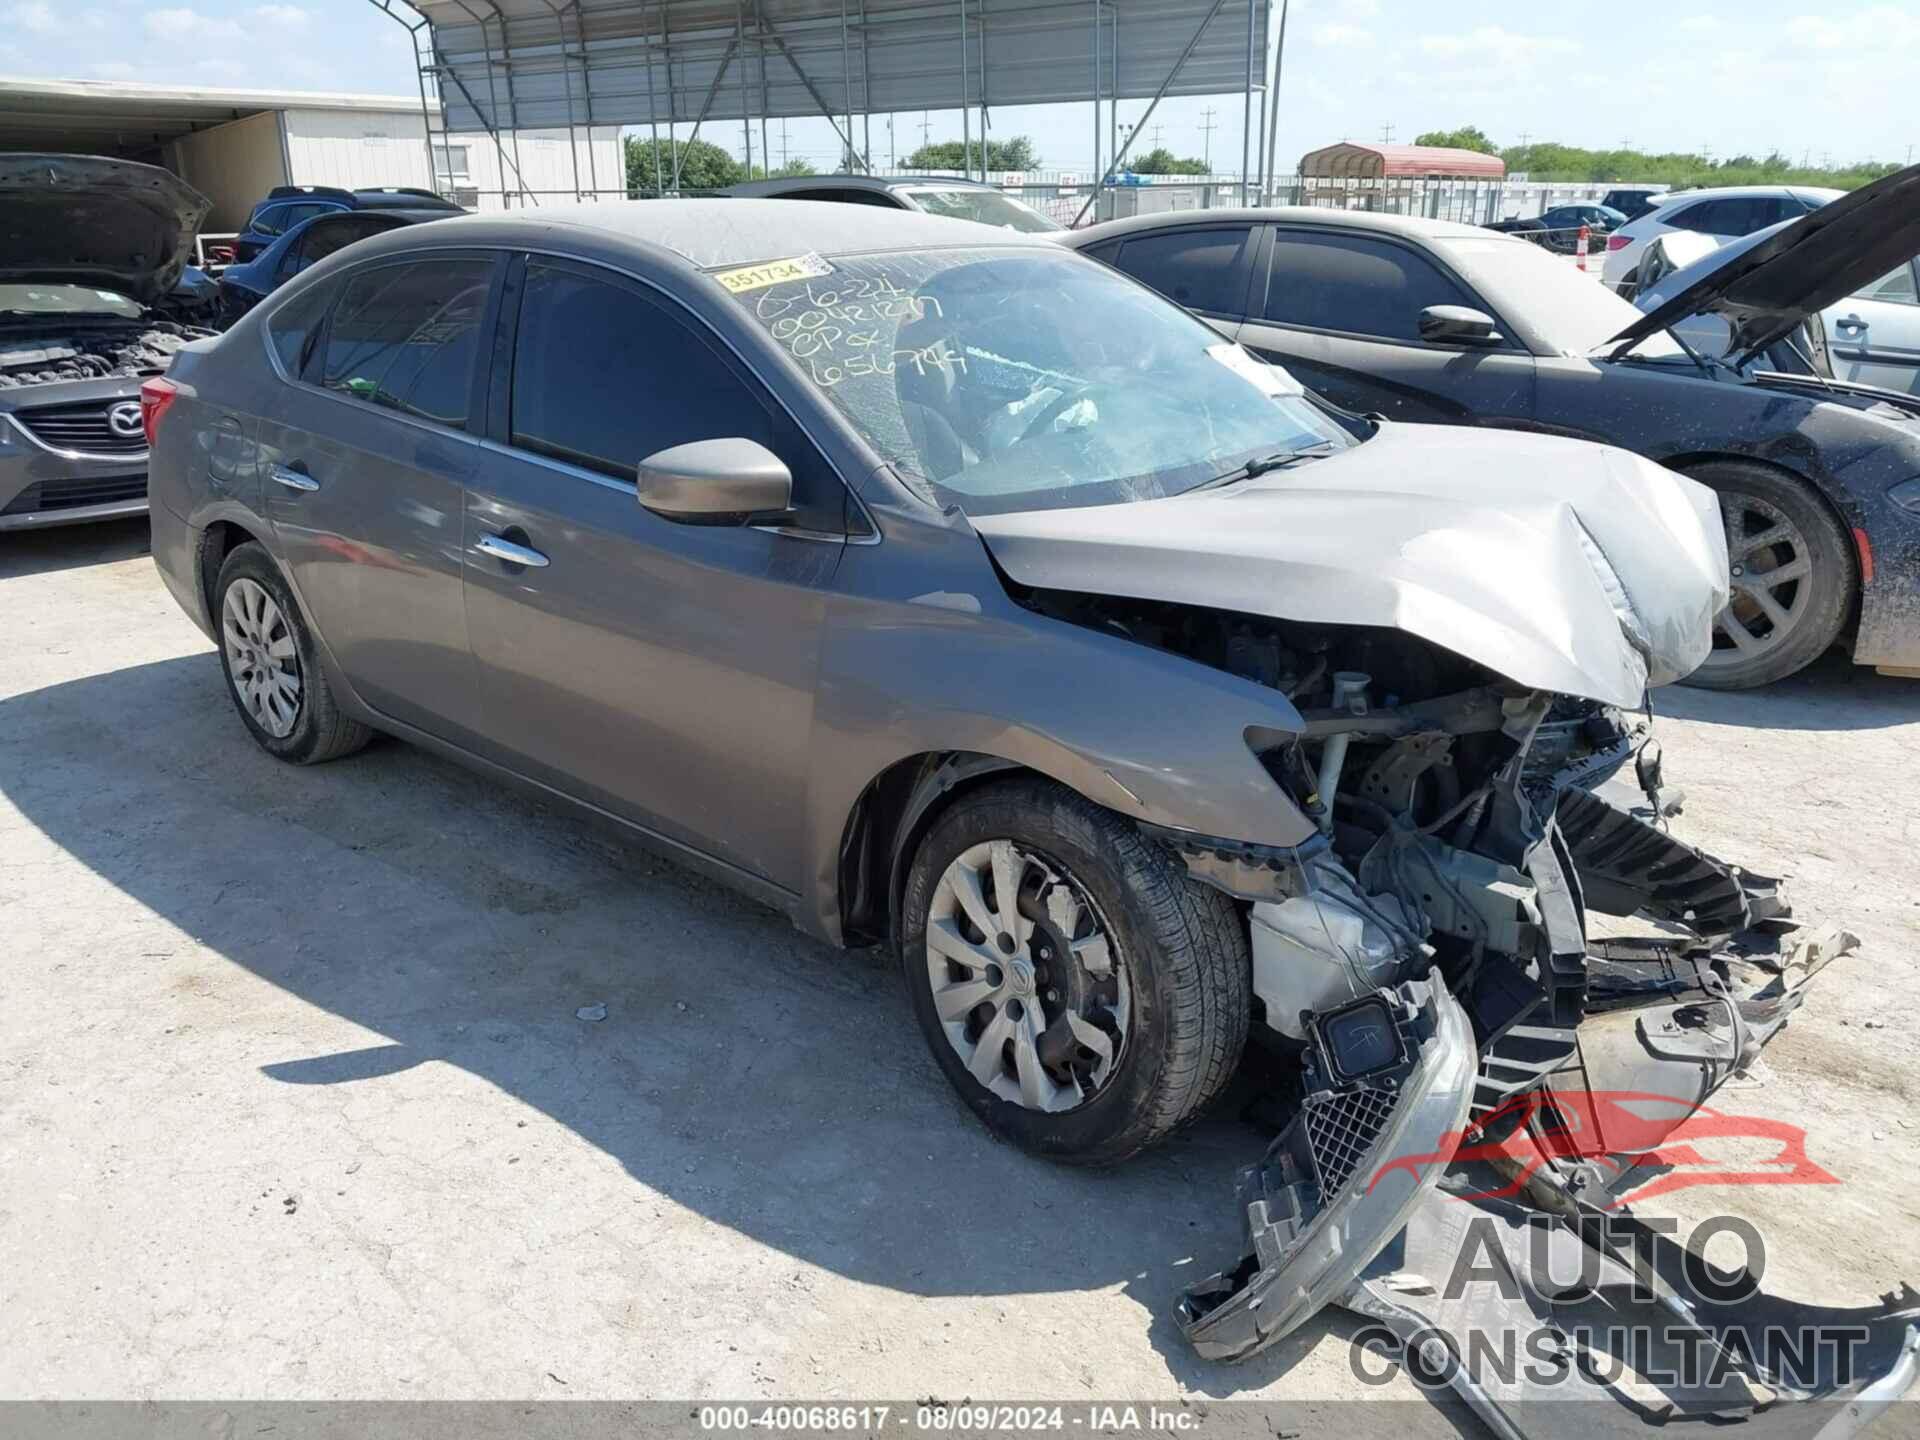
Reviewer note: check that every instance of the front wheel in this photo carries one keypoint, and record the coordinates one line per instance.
(1081, 992)
(1792, 572)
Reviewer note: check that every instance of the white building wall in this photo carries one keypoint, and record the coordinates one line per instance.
(354, 149)
(233, 165)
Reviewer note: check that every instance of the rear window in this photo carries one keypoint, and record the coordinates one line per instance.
(404, 337)
(293, 323)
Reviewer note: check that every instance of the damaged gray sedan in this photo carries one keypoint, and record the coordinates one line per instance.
(948, 590)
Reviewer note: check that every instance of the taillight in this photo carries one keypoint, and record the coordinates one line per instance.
(1619, 242)
(156, 396)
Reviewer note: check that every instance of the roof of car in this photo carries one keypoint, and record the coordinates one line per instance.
(1741, 192)
(1296, 214)
(739, 232)
(786, 184)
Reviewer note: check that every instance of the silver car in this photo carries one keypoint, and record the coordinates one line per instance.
(89, 252)
(947, 590)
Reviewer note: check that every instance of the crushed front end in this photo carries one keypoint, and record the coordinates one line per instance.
(1428, 971)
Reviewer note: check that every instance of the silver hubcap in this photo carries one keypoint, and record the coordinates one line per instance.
(261, 659)
(1771, 569)
(1025, 980)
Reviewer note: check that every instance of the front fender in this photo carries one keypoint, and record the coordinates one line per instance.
(957, 666)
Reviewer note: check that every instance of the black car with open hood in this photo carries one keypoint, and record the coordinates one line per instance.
(1438, 323)
(90, 254)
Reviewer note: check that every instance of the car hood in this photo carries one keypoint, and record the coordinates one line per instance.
(1766, 283)
(1562, 565)
(86, 220)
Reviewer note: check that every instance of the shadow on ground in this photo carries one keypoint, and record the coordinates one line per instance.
(1831, 694)
(772, 1084)
(67, 547)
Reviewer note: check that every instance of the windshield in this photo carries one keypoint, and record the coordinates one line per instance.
(989, 207)
(1570, 313)
(1015, 380)
(66, 300)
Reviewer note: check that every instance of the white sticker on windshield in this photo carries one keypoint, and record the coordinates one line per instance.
(773, 272)
(1269, 380)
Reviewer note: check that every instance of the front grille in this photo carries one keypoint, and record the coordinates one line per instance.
(1341, 1131)
(81, 425)
(72, 494)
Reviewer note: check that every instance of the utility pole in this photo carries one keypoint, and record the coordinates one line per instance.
(783, 144)
(1526, 138)
(1156, 137)
(1207, 129)
(893, 161)
(1386, 134)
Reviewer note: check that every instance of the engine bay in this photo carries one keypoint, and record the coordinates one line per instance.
(100, 352)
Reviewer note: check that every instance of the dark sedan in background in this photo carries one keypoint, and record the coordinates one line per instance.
(1418, 320)
(312, 240)
(1558, 229)
(285, 206)
(929, 194)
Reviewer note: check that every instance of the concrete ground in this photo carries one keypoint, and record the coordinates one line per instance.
(294, 1102)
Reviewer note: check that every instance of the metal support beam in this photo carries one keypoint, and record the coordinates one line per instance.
(726, 59)
(1273, 106)
(1158, 96)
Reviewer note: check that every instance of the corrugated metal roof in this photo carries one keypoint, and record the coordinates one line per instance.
(114, 117)
(530, 64)
(1349, 161)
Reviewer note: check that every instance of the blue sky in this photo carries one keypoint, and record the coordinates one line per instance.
(1820, 77)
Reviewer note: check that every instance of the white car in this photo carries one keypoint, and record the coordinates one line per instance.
(1724, 214)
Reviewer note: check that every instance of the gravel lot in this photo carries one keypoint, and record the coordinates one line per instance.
(294, 1102)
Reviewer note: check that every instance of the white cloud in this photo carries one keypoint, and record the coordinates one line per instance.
(1874, 30)
(181, 23)
(1497, 45)
(113, 70)
(1334, 33)
(290, 17)
(1359, 9)
(35, 16)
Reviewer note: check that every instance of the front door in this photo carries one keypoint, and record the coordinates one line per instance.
(366, 456)
(1341, 312)
(661, 671)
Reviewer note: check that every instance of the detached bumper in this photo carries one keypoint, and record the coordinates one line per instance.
(1313, 1226)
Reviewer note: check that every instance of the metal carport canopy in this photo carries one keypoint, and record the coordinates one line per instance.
(534, 64)
(1350, 161)
(108, 117)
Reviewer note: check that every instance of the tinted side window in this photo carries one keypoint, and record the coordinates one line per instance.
(292, 325)
(1772, 212)
(1355, 284)
(1199, 269)
(1691, 217)
(603, 377)
(1896, 287)
(404, 337)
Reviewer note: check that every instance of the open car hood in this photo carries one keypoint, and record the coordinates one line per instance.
(86, 220)
(1559, 564)
(1767, 283)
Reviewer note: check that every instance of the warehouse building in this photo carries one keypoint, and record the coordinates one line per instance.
(235, 145)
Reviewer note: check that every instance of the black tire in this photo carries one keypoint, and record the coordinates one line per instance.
(320, 731)
(1748, 491)
(1184, 947)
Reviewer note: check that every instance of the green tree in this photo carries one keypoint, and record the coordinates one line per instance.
(703, 166)
(792, 170)
(1014, 154)
(1467, 137)
(1678, 169)
(1162, 161)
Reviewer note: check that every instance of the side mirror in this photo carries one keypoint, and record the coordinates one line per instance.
(1458, 325)
(709, 482)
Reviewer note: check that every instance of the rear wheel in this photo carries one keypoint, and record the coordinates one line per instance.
(1793, 578)
(1081, 992)
(272, 665)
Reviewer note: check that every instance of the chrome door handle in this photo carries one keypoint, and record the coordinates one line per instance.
(511, 553)
(292, 479)
(1850, 323)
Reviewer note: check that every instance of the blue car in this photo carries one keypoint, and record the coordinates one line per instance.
(287, 205)
(311, 240)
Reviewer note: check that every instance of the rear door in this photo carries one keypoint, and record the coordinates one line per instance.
(366, 457)
(659, 670)
(1874, 336)
(1340, 310)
